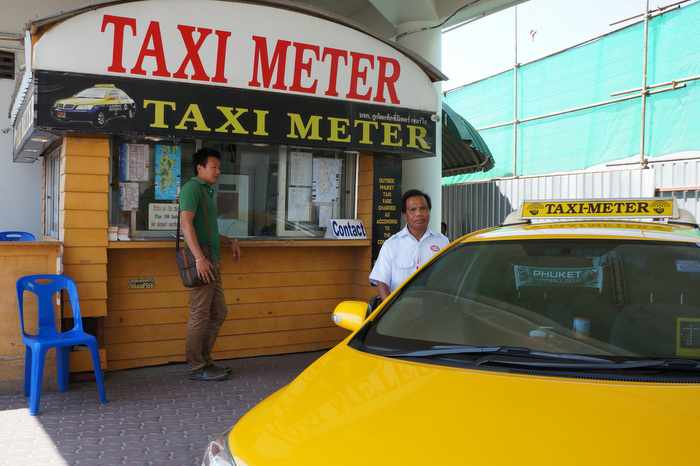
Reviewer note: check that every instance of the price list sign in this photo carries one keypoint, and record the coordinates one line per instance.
(387, 201)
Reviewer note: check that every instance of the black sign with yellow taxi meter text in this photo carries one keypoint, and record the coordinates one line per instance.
(70, 102)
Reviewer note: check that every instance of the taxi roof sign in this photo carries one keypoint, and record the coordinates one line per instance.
(600, 208)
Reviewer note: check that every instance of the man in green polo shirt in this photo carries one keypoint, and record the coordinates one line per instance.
(198, 219)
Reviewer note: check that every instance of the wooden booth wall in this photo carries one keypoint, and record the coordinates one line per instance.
(16, 260)
(280, 295)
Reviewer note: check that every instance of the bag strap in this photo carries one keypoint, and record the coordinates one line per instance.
(202, 201)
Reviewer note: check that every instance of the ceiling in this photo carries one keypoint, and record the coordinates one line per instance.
(380, 17)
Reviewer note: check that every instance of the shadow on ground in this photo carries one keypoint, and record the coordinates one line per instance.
(155, 416)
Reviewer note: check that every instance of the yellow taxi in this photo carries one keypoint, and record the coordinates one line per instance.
(96, 105)
(568, 336)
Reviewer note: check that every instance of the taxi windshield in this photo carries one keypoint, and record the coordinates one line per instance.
(591, 297)
(92, 93)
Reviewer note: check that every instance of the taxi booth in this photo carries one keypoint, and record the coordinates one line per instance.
(312, 117)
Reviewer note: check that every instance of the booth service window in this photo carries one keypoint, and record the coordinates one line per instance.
(264, 191)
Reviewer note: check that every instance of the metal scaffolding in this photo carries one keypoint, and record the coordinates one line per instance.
(642, 92)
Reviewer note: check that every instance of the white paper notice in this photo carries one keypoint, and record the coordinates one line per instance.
(299, 204)
(162, 216)
(326, 179)
(136, 162)
(300, 168)
(324, 214)
(129, 196)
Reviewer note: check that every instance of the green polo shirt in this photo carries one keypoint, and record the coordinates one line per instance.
(191, 200)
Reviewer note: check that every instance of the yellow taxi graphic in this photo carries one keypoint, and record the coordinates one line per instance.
(546, 341)
(97, 105)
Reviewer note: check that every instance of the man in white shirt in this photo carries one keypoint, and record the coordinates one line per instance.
(404, 253)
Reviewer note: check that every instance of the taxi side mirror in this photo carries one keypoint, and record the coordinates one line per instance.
(350, 315)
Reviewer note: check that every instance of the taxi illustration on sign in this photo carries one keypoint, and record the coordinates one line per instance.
(96, 105)
(570, 335)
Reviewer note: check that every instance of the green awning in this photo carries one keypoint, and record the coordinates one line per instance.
(463, 150)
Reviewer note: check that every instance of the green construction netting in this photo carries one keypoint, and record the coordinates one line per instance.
(585, 75)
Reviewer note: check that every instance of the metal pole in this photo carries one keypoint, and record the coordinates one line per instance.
(515, 93)
(645, 89)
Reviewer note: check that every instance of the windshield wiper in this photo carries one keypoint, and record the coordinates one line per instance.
(524, 357)
(450, 350)
(670, 365)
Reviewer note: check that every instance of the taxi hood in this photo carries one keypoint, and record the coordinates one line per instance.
(354, 408)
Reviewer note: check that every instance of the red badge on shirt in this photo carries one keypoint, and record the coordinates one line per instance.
(434, 248)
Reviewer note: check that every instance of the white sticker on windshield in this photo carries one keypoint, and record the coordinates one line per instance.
(688, 266)
(585, 277)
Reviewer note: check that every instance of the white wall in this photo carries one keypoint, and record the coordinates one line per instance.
(20, 183)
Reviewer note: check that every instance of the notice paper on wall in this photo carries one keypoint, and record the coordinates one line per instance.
(326, 179)
(129, 196)
(134, 162)
(324, 215)
(162, 216)
(300, 168)
(299, 204)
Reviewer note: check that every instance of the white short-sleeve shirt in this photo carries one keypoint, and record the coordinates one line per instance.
(402, 254)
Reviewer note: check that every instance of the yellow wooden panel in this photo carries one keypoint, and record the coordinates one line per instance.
(239, 281)
(366, 162)
(84, 183)
(225, 343)
(92, 290)
(365, 178)
(85, 146)
(364, 206)
(86, 273)
(84, 255)
(231, 327)
(84, 219)
(363, 293)
(116, 318)
(81, 361)
(84, 201)
(85, 237)
(13, 265)
(125, 263)
(244, 353)
(80, 165)
(88, 308)
(124, 301)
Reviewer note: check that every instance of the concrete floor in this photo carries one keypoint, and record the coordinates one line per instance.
(155, 416)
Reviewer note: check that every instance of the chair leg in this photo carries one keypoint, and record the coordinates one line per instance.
(98, 372)
(27, 369)
(62, 367)
(38, 356)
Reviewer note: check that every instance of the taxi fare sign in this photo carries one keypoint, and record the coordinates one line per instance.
(609, 208)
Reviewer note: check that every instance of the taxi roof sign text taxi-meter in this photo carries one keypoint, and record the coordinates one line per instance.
(346, 229)
(600, 208)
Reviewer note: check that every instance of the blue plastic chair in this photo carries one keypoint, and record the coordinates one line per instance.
(17, 236)
(45, 287)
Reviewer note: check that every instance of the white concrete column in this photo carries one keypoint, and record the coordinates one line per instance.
(426, 173)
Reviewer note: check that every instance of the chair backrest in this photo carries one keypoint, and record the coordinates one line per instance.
(17, 236)
(45, 287)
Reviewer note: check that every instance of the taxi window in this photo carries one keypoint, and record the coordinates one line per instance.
(622, 298)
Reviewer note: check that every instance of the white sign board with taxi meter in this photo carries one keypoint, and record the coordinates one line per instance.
(346, 229)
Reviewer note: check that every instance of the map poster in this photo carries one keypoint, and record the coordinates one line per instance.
(167, 172)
